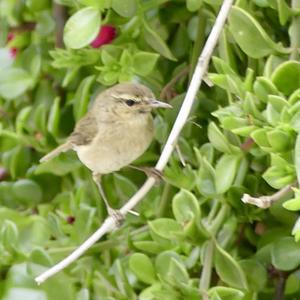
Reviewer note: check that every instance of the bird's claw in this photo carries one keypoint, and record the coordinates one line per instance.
(154, 173)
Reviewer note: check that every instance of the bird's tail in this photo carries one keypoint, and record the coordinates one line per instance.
(62, 148)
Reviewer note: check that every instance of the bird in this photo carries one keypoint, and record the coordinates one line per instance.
(116, 130)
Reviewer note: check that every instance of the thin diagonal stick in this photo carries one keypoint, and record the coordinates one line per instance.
(182, 117)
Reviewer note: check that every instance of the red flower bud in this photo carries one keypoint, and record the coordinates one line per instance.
(70, 219)
(106, 34)
(3, 173)
(10, 36)
(13, 52)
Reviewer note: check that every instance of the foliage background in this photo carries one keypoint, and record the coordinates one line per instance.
(194, 238)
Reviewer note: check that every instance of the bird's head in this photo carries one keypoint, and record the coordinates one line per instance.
(127, 99)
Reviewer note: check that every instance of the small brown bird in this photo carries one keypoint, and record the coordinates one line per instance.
(115, 131)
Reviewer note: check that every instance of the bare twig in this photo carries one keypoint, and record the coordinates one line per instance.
(27, 26)
(280, 287)
(60, 16)
(266, 201)
(247, 145)
(167, 91)
(200, 70)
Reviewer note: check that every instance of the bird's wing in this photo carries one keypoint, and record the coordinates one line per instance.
(85, 131)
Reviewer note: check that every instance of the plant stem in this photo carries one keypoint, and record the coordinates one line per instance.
(267, 201)
(218, 220)
(60, 16)
(205, 278)
(163, 204)
(213, 211)
(199, 41)
(294, 31)
(279, 293)
(168, 87)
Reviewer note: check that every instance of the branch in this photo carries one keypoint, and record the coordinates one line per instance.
(267, 201)
(60, 15)
(167, 93)
(200, 70)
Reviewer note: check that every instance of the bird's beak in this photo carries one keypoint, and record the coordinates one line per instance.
(158, 104)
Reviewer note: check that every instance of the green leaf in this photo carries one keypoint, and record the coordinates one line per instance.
(9, 235)
(32, 61)
(54, 116)
(39, 256)
(163, 262)
(193, 5)
(286, 77)
(144, 62)
(141, 265)
(82, 97)
(125, 9)
(231, 83)
(206, 179)
(280, 140)
(27, 191)
(275, 106)
(22, 119)
(37, 5)
(280, 173)
(284, 12)
(285, 254)
(156, 42)
(217, 138)
(225, 293)
(103, 4)
(185, 206)
(263, 87)
(14, 82)
(225, 173)
(165, 228)
(256, 274)
(148, 246)
(82, 28)
(124, 187)
(83, 294)
(260, 138)
(297, 157)
(24, 293)
(59, 165)
(229, 269)
(177, 272)
(250, 35)
(292, 204)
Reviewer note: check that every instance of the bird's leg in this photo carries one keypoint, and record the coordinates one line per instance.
(117, 216)
(150, 172)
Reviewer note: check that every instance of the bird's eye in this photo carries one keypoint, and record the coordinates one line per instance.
(130, 102)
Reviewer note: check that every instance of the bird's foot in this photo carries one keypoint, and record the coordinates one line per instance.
(117, 216)
(152, 172)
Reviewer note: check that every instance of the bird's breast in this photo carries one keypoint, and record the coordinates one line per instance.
(117, 144)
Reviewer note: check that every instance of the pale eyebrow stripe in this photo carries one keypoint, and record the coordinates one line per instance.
(127, 97)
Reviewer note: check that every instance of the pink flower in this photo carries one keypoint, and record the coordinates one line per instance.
(106, 34)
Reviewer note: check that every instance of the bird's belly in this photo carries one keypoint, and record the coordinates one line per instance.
(113, 151)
